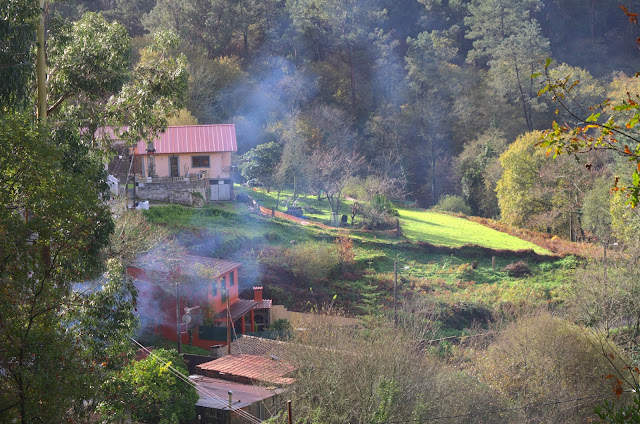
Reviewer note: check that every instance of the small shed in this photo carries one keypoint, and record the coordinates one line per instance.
(220, 400)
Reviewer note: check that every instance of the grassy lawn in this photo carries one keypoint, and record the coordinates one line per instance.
(314, 209)
(228, 230)
(446, 230)
(417, 225)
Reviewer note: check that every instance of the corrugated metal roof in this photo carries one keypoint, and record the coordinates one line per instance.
(194, 139)
(243, 394)
(252, 367)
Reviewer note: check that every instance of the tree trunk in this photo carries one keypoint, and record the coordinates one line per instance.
(41, 66)
(526, 110)
(352, 77)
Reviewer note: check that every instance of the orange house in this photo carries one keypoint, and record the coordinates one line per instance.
(203, 288)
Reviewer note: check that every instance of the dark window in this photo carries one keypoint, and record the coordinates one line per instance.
(214, 288)
(223, 281)
(199, 161)
(232, 278)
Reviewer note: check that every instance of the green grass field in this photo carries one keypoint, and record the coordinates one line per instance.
(417, 225)
(446, 230)
(228, 230)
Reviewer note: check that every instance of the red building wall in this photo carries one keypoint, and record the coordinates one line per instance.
(157, 303)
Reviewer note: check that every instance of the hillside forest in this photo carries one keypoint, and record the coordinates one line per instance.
(480, 156)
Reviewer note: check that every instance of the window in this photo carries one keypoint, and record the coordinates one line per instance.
(232, 278)
(214, 288)
(199, 161)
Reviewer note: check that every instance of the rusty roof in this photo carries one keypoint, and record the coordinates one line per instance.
(237, 309)
(193, 139)
(243, 394)
(249, 367)
(188, 265)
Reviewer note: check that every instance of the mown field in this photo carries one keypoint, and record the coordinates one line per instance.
(299, 266)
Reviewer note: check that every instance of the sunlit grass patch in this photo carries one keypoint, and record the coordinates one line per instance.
(446, 230)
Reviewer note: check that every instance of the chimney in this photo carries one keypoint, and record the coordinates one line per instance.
(215, 351)
(230, 395)
(257, 294)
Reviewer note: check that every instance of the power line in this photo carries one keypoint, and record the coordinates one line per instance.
(252, 382)
(499, 411)
(197, 386)
(194, 384)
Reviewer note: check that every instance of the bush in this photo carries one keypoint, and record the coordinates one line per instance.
(281, 324)
(379, 214)
(380, 203)
(455, 204)
(517, 269)
(542, 359)
(375, 374)
(310, 261)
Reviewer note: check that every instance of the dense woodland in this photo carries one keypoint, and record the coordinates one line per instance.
(468, 106)
(430, 93)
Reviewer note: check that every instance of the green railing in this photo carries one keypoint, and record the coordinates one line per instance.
(207, 332)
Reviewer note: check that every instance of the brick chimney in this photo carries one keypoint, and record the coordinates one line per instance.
(257, 294)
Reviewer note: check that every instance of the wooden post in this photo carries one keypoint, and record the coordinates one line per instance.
(134, 180)
(493, 263)
(290, 418)
(570, 226)
(395, 293)
(228, 327)
(178, 320)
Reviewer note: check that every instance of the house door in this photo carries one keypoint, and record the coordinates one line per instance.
(224, 191)
(173, 166)
(213, 184)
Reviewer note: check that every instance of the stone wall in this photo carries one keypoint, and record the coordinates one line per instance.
(178, 192)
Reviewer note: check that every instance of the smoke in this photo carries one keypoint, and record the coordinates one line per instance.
(275, 89)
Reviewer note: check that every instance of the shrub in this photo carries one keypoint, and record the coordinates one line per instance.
(541, 359)
(379, 213)
(380, 203)
(375, 374)
(310, 261)
(517, 269)
(454, 204)
(281, 324)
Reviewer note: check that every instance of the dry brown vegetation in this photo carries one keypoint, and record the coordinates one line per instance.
(540, 369)
(550, 242)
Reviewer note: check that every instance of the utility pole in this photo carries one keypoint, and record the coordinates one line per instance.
(289, 417)
(179, 333)
(228, 327)
(395, 293)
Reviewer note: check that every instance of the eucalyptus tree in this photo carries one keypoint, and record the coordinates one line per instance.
(62, 331)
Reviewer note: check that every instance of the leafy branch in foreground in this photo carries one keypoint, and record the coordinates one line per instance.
(608, 125)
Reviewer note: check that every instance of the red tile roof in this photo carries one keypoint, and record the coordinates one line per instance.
(194, 139)
(249, 367)
(265, 304)
(188, 265)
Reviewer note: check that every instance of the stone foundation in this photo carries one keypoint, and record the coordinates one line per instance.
(187, 193)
